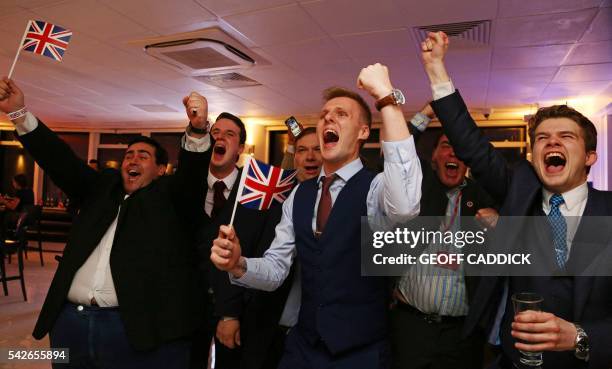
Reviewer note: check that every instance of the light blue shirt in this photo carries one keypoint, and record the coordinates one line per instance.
(394, 193)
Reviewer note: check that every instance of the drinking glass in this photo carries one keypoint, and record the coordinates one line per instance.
(522, 302)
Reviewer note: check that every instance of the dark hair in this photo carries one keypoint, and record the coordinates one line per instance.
(21, 180)
(307, 131)
(589, 131)
(161, 155)
(237, 121)
(333, 92)
(93, 161)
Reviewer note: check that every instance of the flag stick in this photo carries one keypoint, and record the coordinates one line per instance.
(245, 169)
(19, 49)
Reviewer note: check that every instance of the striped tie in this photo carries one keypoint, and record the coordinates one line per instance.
(559, 229)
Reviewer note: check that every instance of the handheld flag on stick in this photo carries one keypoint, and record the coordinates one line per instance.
(262, 185)
(45, 39)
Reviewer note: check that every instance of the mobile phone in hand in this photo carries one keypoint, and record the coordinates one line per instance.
(294, 126)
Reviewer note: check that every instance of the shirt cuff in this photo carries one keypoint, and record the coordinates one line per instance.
(28, 125)
(442, 89)
(248, 279)
(399, 151)
(420, 121)
(193, 144)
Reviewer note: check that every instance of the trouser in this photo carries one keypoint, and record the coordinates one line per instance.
(419, 341)
(96, 339)
(301, 354)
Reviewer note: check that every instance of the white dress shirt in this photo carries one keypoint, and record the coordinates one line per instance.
(94, 278)
(395, 193)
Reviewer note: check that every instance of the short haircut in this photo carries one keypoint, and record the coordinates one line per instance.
(237, 121)
(21, 180)
(307, 131)
(93, 161)
(161, 155)
(589, 132)
(334, 92)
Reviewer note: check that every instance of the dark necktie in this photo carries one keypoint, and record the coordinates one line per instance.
(218, 198)
(559, 229)
(325, 204)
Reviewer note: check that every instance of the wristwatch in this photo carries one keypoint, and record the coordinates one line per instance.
(199, 130)
(396, 97)
(582, 344)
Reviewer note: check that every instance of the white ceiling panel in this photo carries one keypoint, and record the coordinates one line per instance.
(308, 53)
(590, 53)
(224, 8)
(533, 75)
(585, 73)
(266, 98)
(468, 61)
(338, 17)
(377, 44)
(514, 93)
(573, 89)
(105, 23)
(276, 26)
(601, 29)
(548, 29)
(154, 14)
(530, 57)
(517, 8)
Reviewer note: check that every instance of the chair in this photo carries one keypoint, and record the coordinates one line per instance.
(15, 245)
(33, 223)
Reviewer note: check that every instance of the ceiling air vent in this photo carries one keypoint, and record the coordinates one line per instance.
(228, 80)
(197, 56)
(475, 31)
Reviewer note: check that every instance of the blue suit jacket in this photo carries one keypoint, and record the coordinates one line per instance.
(518, 189)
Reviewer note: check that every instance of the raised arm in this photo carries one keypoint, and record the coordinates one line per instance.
(396, 192)
(57, 159)
(487, 164)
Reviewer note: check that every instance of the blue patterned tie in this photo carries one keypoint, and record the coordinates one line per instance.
(559, 229)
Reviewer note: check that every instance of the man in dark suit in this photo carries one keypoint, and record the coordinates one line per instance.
(245, 320)
(124, 294)
(433, 301)
(573, 329)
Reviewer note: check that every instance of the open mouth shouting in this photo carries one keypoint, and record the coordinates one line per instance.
(452, 169)
(134, 174)
(554, 162)
(330, 137)
(311, 170)
(219, 150)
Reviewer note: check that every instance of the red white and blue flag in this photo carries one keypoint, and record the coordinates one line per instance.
(46, 39)
(263, 185)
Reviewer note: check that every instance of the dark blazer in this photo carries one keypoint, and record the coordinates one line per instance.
(258, 311)
(152, 259)
(518, 189)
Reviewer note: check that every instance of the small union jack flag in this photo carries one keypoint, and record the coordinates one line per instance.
(46, 39)
(262, 184)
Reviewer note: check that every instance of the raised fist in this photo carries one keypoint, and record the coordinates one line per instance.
(196, 107)
(375, 80)
(434, 47)
(11, 97)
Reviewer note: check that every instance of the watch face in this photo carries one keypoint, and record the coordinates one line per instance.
(399, 98)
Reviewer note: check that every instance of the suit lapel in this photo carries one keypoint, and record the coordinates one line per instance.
(590, 241)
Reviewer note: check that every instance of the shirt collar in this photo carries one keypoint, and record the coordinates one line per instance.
(346, 172)
(571, 198)
(455, 190)
(228, 180)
